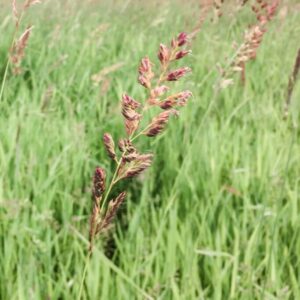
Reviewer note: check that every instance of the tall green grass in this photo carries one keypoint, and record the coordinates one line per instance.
(215, 217)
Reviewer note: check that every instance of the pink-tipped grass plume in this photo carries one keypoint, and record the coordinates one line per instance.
(129, 162)
(16, 51)
(264, 11)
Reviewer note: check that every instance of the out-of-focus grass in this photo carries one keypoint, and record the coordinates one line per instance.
(216, 216)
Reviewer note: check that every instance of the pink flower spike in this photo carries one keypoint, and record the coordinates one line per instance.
(177, 74)
(179, 99)
(131, 125)
(158, 124)
(129, 106)
(182, 39)
(145, 72)
(145, 66)
(98, 182)
(127, 100)
(109, 145)
(163, 54)
(145, 82)
(183, 97)
(182, 54)
(167, 104)
(159, 90)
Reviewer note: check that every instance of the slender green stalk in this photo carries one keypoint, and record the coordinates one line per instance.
(84, 274)
(112, 183)
(4, 79)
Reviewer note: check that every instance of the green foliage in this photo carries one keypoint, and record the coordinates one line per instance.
(215, 217)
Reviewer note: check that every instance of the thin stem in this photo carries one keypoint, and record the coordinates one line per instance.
(114, 178)
(4, 79)
(84, 274)
(140, 133)
(113, 181)
(8, 59)
(119, 162)
(166, 66)
(115, 269)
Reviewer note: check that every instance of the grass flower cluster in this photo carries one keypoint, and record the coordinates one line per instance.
(217, 217)
(129, 161)
(264, 12)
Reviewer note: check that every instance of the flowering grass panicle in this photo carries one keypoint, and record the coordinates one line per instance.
(129, 162)
(217, 5)
(264, 11)
(17, 50)
(98, 190)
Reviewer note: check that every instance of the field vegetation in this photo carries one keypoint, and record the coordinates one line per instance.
(216, 216)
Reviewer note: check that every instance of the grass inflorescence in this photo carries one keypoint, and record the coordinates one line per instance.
(216, 216)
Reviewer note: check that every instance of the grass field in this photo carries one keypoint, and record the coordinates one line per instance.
(217, 214)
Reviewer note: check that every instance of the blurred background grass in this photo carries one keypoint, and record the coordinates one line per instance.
(215, 217)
